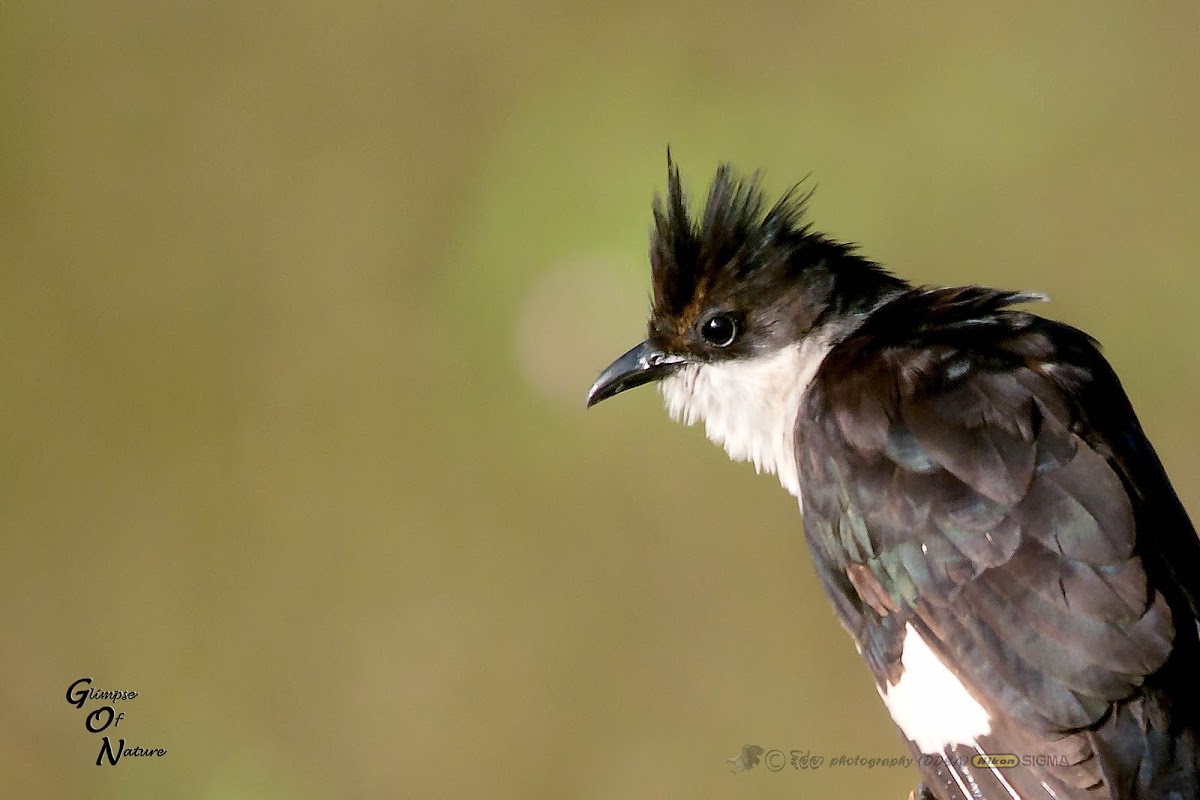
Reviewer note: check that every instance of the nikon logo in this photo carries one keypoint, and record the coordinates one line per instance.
(996, 760)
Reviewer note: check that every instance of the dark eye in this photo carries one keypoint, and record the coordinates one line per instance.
(719, 330)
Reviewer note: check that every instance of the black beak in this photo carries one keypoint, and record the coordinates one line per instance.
(642, 364)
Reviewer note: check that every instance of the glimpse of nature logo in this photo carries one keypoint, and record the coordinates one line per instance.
(98, 721)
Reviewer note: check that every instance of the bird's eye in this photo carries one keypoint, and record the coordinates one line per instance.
(719, 330)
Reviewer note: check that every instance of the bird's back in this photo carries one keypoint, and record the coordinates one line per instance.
(980, 499)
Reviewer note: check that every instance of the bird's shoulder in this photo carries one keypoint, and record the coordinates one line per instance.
(958, 380)
(947, 411)
(927, 342)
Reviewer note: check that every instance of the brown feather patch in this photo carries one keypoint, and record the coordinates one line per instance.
(870, 590)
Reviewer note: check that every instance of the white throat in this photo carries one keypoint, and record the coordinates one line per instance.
(750, 407)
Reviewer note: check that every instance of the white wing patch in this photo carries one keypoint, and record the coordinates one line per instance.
(930, 704)
(750, 407)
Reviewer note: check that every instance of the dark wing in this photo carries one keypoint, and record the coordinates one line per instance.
(977, 474)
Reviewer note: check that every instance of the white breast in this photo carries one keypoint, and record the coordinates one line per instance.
(750, 406)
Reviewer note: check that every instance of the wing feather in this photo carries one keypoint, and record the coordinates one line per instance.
(967, 484)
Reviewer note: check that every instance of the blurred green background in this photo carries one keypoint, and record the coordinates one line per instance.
(299, 304)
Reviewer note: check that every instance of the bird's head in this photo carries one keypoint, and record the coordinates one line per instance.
(746, 300)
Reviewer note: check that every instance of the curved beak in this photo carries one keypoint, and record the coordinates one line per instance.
(642, 364)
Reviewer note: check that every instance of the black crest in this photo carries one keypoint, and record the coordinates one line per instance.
(733, 237)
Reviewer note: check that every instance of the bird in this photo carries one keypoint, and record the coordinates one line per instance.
(982, 507)
(747, 759)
